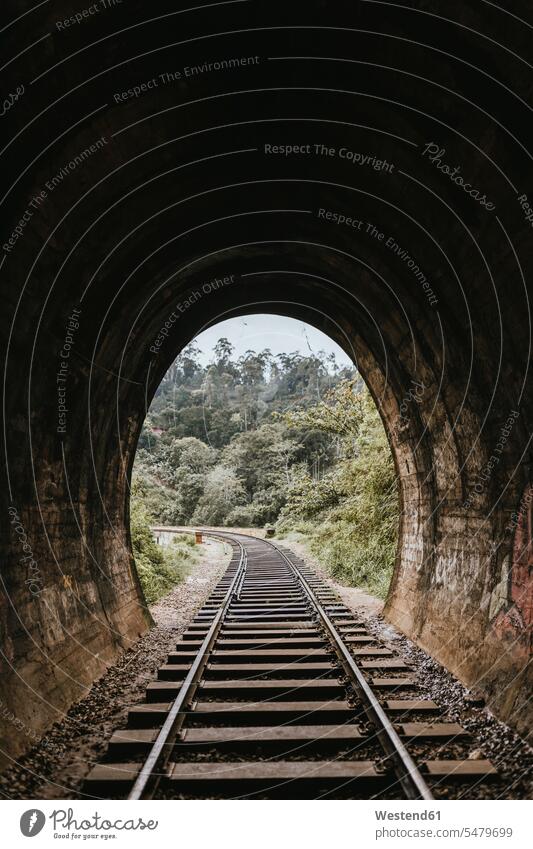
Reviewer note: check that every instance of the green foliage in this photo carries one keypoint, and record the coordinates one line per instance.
(158, 499)
(223, 491)
(214, 448)
(159, 568)
(260, 439)
(246, 516)
(308, 497)
(261, 460)
(341, 413)
(354, 507)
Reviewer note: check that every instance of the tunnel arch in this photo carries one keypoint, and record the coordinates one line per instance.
(183, 191)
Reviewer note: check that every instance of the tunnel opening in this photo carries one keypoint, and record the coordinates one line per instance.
(263, 422)
(451, 588)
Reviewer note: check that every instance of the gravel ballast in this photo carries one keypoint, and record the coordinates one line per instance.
(491, 739)
(56, 767)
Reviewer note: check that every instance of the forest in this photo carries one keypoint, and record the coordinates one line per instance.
(292, 441)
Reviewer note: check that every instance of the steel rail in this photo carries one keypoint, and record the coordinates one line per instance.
(238, 587)
(409, 776)
(151, 771)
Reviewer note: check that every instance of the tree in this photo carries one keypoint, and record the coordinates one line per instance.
(354, 507)
(188, 362)
(225, 415)
(292, 438)
(190, 453)
(222, 492)
(340, 413)
(261, 457)
(223, 352)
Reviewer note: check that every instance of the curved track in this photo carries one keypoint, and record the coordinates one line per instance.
(276, 690)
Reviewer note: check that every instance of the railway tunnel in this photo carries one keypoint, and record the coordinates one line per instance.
(363, 167)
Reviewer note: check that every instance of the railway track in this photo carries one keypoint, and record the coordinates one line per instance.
(277, 691)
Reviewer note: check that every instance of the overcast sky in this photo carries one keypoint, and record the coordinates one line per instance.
(282, 335)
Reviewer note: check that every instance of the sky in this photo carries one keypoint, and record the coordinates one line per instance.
(282, 335)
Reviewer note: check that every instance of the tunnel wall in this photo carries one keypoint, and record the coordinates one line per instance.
(123, 208)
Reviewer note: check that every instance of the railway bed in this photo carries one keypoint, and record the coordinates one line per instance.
(276, 690)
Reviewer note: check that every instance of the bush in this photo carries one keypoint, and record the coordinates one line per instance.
(223, 492)
(285, 450)
(160, 501)
(353, 558)
(159, 568)
(354, 508)
(245, 516)
(307, 497)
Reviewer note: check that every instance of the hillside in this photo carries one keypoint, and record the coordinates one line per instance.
(293, 441)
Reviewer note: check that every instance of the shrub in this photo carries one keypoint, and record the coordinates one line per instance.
(159, 568)
(354, 508)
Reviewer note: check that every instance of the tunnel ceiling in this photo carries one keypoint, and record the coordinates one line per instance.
(365, 166)
(232, 138)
